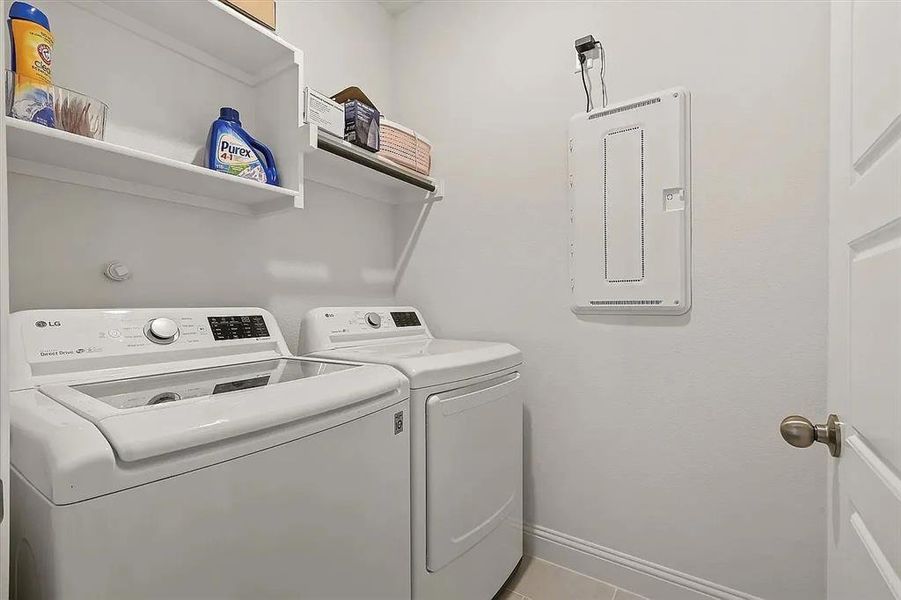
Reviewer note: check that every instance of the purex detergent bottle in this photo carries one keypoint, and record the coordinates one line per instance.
(232, 150)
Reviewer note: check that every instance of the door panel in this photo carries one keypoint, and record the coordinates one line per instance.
(866, 577)
(876, 358)
(875, 503)
(473, 466)
(876, 81)
(864, 549)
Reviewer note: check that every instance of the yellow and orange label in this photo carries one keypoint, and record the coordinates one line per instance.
(33, 57)
(34, 49)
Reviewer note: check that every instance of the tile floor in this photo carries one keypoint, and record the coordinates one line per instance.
(537, 579)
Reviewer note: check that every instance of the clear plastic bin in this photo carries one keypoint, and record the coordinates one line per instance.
(71, 111)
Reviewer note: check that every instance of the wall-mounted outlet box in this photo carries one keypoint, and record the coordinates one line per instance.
(630, 206)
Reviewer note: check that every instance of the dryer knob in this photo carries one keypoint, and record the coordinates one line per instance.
(161, 331)
(374, 319)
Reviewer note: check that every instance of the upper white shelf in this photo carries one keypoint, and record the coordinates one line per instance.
(53, 154)
(207, 31)
(336, 163)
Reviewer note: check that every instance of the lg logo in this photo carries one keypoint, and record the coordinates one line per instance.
(47, 324)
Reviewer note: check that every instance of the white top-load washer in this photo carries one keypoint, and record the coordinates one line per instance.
(183, 453)
(466, 442)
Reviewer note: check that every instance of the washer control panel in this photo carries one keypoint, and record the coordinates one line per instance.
(60, 333)
(406, 318)
(162, 330)
(238, 327)
(48, 346)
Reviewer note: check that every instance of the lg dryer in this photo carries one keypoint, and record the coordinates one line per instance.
(183, 453)
(466, 442)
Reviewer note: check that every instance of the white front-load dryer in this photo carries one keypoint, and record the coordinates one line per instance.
(184, 453)
(466, 445)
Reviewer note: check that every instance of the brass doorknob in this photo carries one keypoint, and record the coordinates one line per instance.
(801, 433)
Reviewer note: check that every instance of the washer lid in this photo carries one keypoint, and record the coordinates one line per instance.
(146, 417)
(428, 362)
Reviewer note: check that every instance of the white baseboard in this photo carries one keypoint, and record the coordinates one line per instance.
(622, 570)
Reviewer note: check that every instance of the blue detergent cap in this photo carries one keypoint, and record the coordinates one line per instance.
(22, 10)
(229, 114)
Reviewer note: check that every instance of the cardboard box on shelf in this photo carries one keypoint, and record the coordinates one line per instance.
(361, 118)
(361, 125)
(261, 11)
(320, 110)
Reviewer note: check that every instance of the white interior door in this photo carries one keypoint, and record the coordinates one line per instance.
(864, 490)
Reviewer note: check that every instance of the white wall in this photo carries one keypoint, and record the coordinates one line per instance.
(657, 437)
(344, 43)
(337, 250)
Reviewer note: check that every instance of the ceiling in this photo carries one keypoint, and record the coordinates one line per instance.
(395, 7)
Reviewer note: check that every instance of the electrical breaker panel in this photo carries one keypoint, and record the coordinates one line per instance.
(630, 206)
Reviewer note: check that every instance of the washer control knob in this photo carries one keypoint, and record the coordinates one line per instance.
(161, 330)
(374, 320)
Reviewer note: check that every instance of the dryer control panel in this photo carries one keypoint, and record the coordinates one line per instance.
(338, 327)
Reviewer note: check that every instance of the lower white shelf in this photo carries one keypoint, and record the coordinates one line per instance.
(336, 163)
(61, 156)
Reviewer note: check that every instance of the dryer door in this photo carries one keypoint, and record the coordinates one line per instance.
(473, 466)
